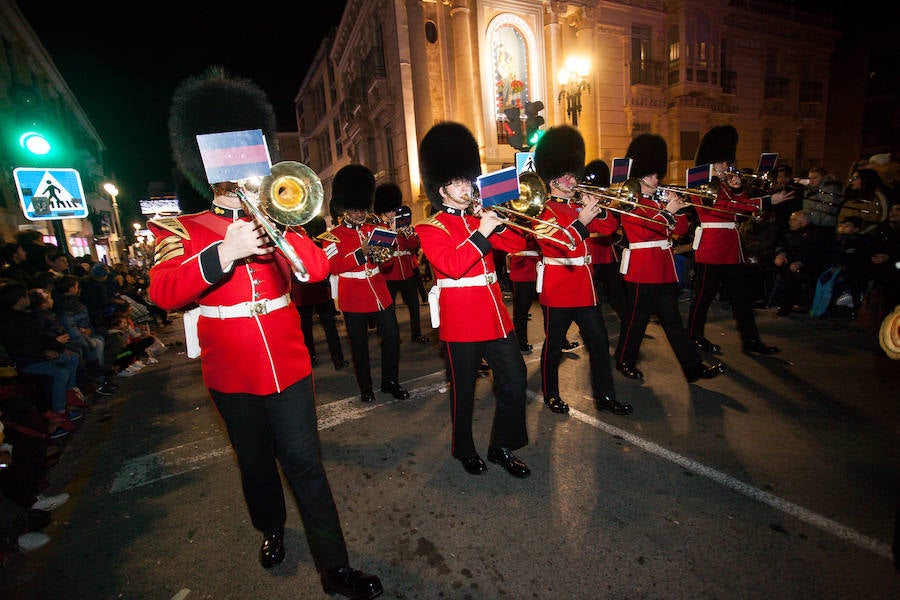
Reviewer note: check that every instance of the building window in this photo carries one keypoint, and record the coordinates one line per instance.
(431, 32)
(641, 56)
(674, 51)
(510, 58)
(338, 145)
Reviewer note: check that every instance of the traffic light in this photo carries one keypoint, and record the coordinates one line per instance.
(533, 122)
(514, 135)
(35, 142)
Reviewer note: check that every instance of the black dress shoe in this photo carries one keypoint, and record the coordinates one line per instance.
(422, 339)
(757, 347)
(703, 371)
(272, 550)
(393, 388)
(473, 465)
(340, 364)
(351, 583)
(525, 348)
(509, 461)
(556, 404)
(629, 371)
(613, 406)
(567, 345)
(704, 345)
(367, 395)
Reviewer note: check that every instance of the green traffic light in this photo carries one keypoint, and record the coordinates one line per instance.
(35, 143)
(535, 137)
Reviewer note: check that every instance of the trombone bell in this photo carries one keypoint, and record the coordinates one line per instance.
(292, 194)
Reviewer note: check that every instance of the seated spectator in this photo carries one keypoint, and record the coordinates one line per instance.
(96, 295)
(38, 353)
(127, 345)
(799, 255)
(851, 252)
(82, 336)
(822, 198)
(58, 263)
(136, 289)
(14, 264)
(759, 238)
(865, 197)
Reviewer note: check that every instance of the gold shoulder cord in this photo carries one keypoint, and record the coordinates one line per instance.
(170, 246)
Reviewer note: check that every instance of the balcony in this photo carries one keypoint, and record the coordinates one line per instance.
(650, 72)
(729, 82)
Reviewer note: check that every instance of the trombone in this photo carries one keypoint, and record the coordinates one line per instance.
(703, 192)
(531, 201)
(290, 195)
(611, 195)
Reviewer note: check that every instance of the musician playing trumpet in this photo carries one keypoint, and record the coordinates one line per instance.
(718, 256)
(362, 292)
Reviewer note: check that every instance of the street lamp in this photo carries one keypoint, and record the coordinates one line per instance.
(572, 81)
(113, 192)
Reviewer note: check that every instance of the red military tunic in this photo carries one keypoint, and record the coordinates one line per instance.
(523, 264)
(601, 248)
(361, 286)
(568, 279)
(259, 354)
(456, 250)
(649, 257)
(717, 240)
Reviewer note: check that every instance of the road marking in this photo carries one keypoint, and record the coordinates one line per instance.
(171, 462)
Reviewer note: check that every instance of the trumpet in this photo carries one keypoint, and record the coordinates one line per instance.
(290, 195)
(531, 201)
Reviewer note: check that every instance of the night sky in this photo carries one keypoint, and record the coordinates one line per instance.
(123, 68)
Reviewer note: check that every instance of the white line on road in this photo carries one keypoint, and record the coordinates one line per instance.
(151, 468)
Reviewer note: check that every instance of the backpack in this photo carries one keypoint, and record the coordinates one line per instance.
(825, 287)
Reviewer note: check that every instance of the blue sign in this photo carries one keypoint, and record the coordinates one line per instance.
(524, 162)
(47, 194)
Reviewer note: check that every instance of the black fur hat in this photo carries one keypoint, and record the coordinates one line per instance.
(719, 144)
(596, 173)
(315, 226)
(448, 151)
(650, 155)
(559, 151)
(353, 188)
(387, 197)
(215, 102)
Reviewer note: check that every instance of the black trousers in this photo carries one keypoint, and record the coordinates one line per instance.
(409, 291)
(607, 277)
(524, 294)
(661, 299)
(358, 334)
(510, 383)
(326, 312)
(737, 281)
(593, 331)
(284, 425)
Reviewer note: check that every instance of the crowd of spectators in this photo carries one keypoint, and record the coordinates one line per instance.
(69, 327)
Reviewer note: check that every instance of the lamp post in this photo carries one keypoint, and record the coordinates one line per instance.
(573, 81)
(113, 192)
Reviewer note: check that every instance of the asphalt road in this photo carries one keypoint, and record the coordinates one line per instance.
(776, 480)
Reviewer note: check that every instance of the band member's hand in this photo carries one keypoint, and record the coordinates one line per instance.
(489, 222)
(782, 196)
(243, 239)
(590, 208)
(674, 202)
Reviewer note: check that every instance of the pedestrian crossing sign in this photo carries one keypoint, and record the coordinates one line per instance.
(50, 193)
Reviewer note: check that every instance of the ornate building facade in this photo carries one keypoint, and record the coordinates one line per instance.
(395, 67)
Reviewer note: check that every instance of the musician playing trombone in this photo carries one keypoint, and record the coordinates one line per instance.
(466, 301)
(255, 364)
(648, 265)
(567, 292)
(718, 255)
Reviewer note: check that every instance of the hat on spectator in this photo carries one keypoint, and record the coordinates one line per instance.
(99, 270)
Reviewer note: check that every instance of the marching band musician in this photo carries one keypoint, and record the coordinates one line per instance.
(522, 268)
(604, 258)
(362, 292)
(648, 265)
(400, 271)
(565, 278)
(466, 301)
(718, 256)
(253, 358)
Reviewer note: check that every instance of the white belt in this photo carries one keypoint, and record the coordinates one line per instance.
(719, 225)
(401, 253)
(571, 262)
(244, 309)
(360, 274)
(477, 280)
(653, 244)
(526, 253)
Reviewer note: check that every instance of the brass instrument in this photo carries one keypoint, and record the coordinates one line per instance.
(707, 192)
(531, 201)
(619, 199)
(290, 195)
(379, 254)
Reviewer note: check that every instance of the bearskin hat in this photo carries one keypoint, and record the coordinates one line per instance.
(353, 188)
(596, 173)
(387, 197)
(215, 102)
(448, 151)
(559, 151)
(315, 226)
(649, 154)
(719, 144)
